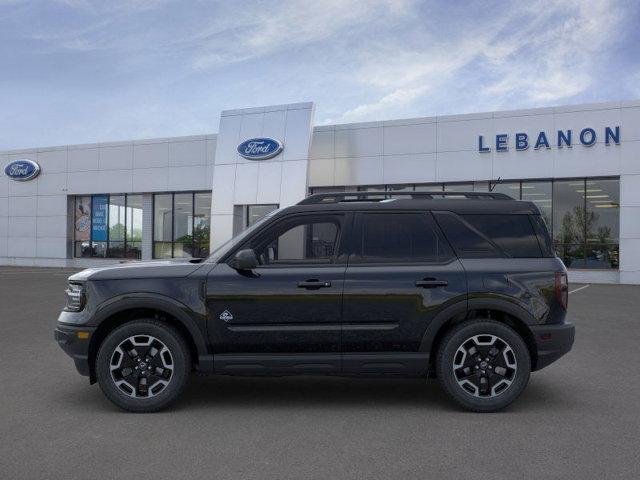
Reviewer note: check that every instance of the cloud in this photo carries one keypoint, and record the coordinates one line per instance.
(552, 61)
(541, 53)
(255, 33)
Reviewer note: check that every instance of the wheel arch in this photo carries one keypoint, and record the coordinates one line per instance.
(123, 310)
(500, 310)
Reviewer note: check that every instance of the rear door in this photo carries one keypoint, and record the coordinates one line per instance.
(401, 273)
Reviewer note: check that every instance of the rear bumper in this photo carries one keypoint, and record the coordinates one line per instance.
(552, 342)
(77, 347)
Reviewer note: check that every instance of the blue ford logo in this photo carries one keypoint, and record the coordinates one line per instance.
(22, 170)
(260, 148)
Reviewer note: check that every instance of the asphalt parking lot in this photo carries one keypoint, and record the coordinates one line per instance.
(579, 418)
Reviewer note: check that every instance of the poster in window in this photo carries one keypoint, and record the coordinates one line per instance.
(99, 218)
(83, 219)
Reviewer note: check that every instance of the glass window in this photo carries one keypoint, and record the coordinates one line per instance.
(303, 240)
(117, 220)
(429, 187)
(458, 187)
(256, 212)
(602, 223)
(327, 190)
(539, 193)
(82, 226)
(569, 221)
(400, 237)
(514, 234)
(162, 225)
(480, 186)
(133, 247)
(512, 189)
(373, 188)
(467, 242)
(182, 224)
(201, 224)
(568, 211)
(399, 188)
(108, 226)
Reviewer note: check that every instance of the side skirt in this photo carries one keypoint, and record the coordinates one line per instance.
(413, 364)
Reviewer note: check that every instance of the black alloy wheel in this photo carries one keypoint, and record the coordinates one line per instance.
(483, 365)
(143, 365)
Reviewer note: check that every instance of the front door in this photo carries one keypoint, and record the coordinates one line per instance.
(286, 314)
(400, 275)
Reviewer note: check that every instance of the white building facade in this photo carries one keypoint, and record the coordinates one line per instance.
(85, 205)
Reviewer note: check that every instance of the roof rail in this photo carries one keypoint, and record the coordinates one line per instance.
(338, 197)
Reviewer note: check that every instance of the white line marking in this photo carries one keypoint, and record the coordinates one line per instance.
(578, 289)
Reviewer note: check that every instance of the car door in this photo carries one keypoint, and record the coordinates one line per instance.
(401, 273)
(285, 315)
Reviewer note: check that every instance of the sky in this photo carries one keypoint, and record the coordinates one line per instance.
(80, 71)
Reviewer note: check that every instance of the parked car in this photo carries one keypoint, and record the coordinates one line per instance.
(463, 286)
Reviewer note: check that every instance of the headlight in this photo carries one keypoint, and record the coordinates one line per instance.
(75, 297)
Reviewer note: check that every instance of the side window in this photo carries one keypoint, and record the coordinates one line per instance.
(467, 242)
(514, 234)
(400, 237)
(299, 241)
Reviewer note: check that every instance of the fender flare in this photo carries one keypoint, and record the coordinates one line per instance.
(464, 306)
(155, 301)
(438, 322)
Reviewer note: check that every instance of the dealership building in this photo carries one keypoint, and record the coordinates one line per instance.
(92, 204)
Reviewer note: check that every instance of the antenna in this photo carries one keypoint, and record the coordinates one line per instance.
(494, 185)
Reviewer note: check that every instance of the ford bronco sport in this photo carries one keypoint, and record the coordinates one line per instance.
(463, 286)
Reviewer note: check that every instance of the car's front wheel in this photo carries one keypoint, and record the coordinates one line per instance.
(483, 365)
(143, 365)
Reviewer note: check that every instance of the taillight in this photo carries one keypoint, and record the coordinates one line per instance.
(562, 289)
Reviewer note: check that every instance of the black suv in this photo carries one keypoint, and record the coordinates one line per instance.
(463, 286)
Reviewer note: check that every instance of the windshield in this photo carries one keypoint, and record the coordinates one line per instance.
(230, 244)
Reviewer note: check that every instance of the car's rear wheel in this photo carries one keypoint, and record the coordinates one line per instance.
(143, 365)
(483, 365)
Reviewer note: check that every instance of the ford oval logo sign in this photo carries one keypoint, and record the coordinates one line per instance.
(260, 148)
(22, 170)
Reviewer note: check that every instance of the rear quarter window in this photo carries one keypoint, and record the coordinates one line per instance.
(467, 241)
(513, 234)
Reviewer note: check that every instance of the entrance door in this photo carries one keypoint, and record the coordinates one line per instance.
(286, 314)
(401, 274)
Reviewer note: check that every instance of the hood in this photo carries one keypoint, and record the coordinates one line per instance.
(131, 270)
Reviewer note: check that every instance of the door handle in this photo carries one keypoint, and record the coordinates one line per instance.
(313, 284)
(431, 283)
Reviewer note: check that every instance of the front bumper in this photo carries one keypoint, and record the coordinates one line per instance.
(552, 342)
(75, 343)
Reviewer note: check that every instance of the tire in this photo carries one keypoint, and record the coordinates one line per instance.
(145, 345)
(460, 368)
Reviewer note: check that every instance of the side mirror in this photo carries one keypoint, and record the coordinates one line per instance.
(245, 260)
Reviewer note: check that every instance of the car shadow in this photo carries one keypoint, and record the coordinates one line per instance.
(294, 392)
(312, 392)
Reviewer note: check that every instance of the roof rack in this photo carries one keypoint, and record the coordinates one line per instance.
(338, 197)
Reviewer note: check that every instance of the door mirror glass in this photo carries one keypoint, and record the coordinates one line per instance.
(244, 260)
